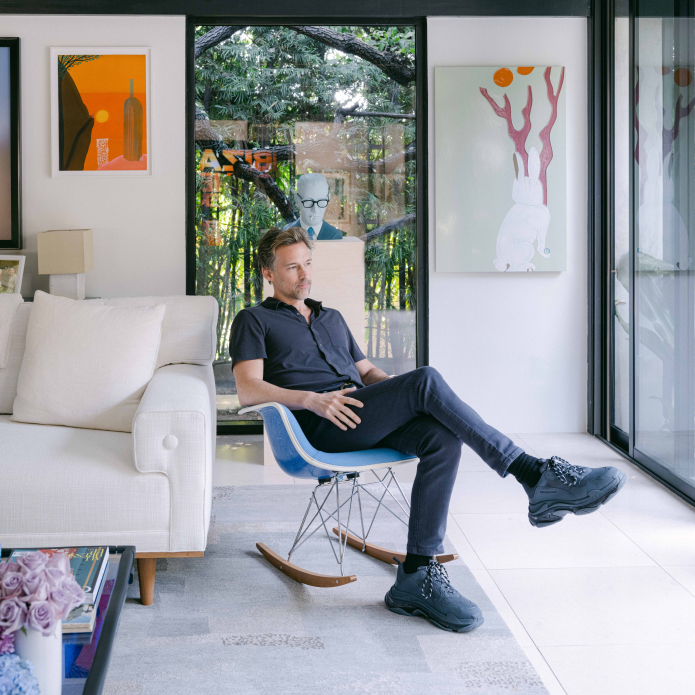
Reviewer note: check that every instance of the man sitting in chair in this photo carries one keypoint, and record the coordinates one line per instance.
(292, 350)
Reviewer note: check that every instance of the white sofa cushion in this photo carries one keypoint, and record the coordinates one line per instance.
(86, 364)
(188, 330)
(8, 308)
(188, 336)
(64, 487)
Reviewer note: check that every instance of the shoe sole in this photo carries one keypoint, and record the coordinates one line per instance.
(414, 610)
(555, 514)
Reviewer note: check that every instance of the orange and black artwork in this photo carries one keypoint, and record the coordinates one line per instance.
(102, 112)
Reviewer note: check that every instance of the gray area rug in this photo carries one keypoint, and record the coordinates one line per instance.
(231, 623)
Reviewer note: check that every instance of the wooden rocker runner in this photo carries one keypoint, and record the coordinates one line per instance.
(337, 476)
(388, 556)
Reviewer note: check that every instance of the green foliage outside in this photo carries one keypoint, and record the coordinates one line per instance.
(271, 78)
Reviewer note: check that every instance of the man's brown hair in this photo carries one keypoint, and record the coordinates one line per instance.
(276, 237)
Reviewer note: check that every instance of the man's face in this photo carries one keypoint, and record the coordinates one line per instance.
(292, 274)
(313, 190)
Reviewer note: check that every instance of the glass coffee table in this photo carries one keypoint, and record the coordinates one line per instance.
(86, 656)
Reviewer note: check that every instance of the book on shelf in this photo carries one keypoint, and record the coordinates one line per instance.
(88, 565)
(83, 618)
(79, 648)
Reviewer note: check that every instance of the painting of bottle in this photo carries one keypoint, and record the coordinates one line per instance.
(100, 111)
(132, 126)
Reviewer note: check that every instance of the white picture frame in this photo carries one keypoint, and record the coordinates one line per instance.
(8, 278)
(56, 171)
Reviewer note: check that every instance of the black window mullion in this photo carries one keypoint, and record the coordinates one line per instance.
(600, 213)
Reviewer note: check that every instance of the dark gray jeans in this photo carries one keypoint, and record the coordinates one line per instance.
(417, 413)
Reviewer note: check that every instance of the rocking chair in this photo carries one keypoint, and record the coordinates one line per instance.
(299, 459)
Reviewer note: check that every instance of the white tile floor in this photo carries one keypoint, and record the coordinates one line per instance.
(601, 604)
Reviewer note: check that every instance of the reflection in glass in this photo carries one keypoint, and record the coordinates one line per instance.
(274, 104)
(621, 239)
(663, 165)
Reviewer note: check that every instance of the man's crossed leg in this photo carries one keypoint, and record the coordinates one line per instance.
(419, 414)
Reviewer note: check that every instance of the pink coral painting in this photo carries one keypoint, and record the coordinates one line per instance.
(501, 186)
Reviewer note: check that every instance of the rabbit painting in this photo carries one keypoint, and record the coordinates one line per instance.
(527, 221)
(501, 170)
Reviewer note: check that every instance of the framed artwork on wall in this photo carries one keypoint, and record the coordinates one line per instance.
(11, 273)
(500, 148)
(10, 177)
(100, 112)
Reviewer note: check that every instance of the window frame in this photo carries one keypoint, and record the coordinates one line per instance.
(421, 159)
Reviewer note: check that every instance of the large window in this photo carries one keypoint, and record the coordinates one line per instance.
(285, 114)
(653, 244)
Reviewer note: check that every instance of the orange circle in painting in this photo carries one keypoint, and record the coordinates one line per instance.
(682, 77)
(101, 116)
(664, 71)
(524, 71)
(503, 77)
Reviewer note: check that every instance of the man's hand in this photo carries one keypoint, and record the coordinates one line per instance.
(334, 407)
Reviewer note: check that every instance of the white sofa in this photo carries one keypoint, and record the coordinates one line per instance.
(62, 486)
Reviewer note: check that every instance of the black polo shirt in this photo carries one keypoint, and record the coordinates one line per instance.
(297, 355)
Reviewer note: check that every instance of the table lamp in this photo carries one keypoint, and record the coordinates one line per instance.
(65, 256)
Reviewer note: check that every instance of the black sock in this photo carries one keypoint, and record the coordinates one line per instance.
(413, 562)
(526, 469)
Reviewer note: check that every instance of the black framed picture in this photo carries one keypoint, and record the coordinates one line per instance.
(10, 189)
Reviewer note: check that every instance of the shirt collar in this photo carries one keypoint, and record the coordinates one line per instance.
(274, 303)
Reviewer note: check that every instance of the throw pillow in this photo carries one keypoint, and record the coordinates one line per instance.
(86, 364)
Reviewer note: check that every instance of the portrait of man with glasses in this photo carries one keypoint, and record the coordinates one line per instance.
(311, 198)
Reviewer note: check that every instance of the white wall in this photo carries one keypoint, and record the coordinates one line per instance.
(138, 222)
(514, 346)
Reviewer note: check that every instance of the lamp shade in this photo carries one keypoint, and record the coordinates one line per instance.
(65, 251)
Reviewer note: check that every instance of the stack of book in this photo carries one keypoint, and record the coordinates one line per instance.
(88, 566)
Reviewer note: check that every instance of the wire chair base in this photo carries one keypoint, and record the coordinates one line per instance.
(342, 532)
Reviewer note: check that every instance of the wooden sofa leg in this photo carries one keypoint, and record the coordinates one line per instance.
(147, 567)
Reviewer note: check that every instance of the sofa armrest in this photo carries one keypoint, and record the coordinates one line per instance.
(173, 433)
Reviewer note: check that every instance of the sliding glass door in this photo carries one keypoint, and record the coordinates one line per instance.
(653, 241)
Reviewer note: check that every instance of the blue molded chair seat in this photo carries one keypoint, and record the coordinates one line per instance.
(298, 458)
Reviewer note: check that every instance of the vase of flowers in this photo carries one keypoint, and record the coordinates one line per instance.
(36, 593)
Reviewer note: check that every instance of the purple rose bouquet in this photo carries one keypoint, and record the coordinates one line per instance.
(35, 592)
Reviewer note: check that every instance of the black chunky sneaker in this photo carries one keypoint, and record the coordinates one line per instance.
(567, 489)
(427, 592)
